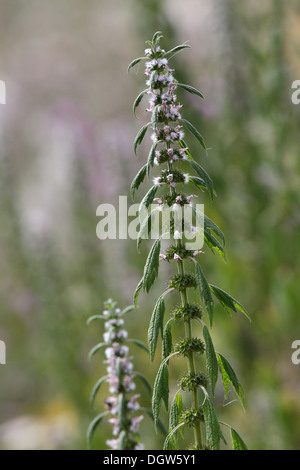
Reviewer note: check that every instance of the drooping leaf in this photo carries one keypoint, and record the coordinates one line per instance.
(96, 349)
(122, 440)
(138, 179)
(137, 291)
(148, 198)
(94, 317)
(144, 381)
(169, 442)
(229, 376)
(190, 89)
(205, 177)
(167, 344)
(160, 390)
(195, 132)
(237, 441)
(92, 427)
(205, 292)
(211, 359)
(127, 309)
(139, 137)
(198, 182)
(96, 389)
(174, 415)
(134, 62)
(139, 343)
(145, 228)
(151, 266)
(154, 119)
(138, 100)
(151, 157)
(156, 325)
(212, 427)
(159, 424)
(227, 301)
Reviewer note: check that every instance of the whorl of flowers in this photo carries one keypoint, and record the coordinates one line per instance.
(122, 404)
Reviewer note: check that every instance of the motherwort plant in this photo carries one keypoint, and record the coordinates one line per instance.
(168, 194)
(122, 408)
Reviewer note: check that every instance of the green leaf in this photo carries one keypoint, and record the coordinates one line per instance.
(195, 132)
(205, 292)
(92, 427)
(134, 62)
(160, 390)
(156, 325)
(139, 343)
(122, 440)
(139, 137)
(148, 198)
(175, 413)
(213, 431)
(167, 344)
(138, 100)
(160, 426)
(227, 301)
(145, 228)
(137, 291)
(137, 181)
(96, 389)
(211, 359)
(229, 376)
(198, 182)
(94, 317)
(237, 441)
(158, 35)
(205, 177)
(177, 49)
(95, 349)
(144, 381)
(154, 119)
(151, 266)
(169, 442)
(127, 309)
(190, 89)
(151, 157)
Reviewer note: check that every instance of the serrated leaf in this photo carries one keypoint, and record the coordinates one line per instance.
(237, 441)
(229, 376)
(198, 182)
(205, 292)
(154, 119)
(167, 344)
(137, 181)
(96, 349)
(139, 137)
(195, 132)
(96, 389)
(159, 425)
(138, 100)
(213, 431)
(177, 49)
(92, 427)
(190, 89)
(160, 390)
(205, 177)
(211, 359)
(227, 301)
(134, 62)
(145, 228)
(156, 325)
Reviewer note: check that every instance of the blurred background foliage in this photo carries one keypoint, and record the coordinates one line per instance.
(66, 138)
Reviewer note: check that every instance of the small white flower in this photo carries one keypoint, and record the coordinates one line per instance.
(177, 257)
(186, 178)
(157, 180)
(177, 235)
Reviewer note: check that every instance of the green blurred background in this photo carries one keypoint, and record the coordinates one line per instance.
(66, 138)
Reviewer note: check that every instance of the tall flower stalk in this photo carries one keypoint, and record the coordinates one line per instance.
(178, 170)
(122, 404)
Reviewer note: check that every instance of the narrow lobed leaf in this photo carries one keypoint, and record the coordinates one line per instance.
(156, 325)
(190, 89)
